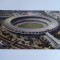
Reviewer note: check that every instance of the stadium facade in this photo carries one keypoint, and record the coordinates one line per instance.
(49, 23)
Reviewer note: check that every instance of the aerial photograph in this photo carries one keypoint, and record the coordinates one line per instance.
(29, 29)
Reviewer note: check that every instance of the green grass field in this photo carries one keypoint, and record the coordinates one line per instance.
(31, 25)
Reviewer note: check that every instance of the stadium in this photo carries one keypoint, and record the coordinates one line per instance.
(30, 25)
(29, 30)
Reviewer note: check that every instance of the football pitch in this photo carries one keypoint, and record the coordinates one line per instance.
(31, 25)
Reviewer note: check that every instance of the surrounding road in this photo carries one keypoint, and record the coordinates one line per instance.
(54, 42)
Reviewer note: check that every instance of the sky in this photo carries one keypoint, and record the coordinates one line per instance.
(12, 54)
(30, 4)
